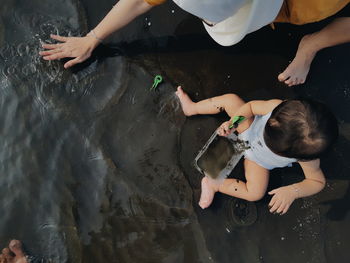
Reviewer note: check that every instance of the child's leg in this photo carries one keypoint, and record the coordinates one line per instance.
(254, 189)
(228, 102)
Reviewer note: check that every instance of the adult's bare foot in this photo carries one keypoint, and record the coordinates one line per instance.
(188, 106)
(208, 192)
(298, 69)
(16, 248)
(6, 256)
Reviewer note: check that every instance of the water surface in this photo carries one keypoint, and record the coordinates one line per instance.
(96, 168)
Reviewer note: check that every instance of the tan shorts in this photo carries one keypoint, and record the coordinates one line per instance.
(307, 11)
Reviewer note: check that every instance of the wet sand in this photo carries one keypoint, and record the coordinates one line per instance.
(97, 168)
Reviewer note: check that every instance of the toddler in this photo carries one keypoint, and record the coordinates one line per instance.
(279, 133)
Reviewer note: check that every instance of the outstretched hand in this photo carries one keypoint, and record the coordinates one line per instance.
(78, 48)
(282, 199)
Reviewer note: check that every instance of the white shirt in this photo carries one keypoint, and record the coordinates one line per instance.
(259, 152)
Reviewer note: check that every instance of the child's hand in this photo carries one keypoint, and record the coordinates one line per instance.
(224, 129)
(282, 198)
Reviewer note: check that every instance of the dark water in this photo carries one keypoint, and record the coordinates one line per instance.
(96, 168)
(89, 156)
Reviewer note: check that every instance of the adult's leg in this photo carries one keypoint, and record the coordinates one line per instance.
(337, 32)
(228, 102)
(254, 189)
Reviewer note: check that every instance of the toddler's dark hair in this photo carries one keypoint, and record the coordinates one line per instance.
(303, 129)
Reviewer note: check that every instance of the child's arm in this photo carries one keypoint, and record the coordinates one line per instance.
(313, 183)
(80, 48)
(257, 107)
(248, 110)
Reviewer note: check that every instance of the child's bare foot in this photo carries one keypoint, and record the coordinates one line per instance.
(188, 106)
(16, 248)
(297, 71)
(207, 194)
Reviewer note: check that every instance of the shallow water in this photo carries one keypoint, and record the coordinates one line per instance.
(87, 155)
(96, 168)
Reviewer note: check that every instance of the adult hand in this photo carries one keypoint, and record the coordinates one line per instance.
(224, 129)
(282, 198)
(78, 48)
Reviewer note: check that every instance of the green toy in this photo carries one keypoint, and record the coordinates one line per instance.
(236, 121)
(157, 80)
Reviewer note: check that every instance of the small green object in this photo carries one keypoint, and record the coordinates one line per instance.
(235, 121)
(157, 79)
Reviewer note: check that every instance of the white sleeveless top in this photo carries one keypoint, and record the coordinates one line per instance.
(258, 151)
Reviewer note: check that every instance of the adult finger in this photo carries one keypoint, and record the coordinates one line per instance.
(275, 206)
(59, 38)
(55, 56)
(72, 62)
(47, 53)
(285, 209)
(51, 46)
(281, 208)
(272, 192)
(273, 201)
(50, 52)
